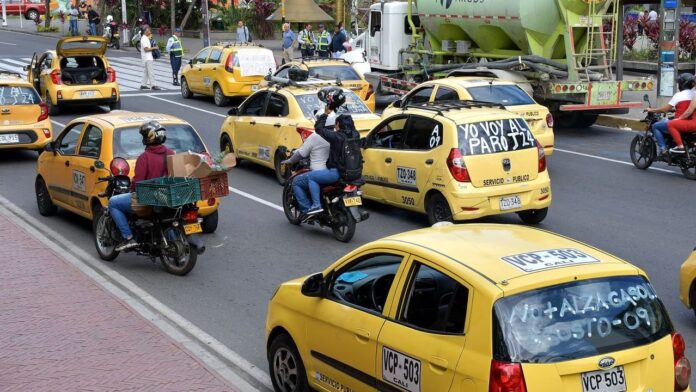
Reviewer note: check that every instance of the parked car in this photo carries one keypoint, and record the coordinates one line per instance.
(31, 9)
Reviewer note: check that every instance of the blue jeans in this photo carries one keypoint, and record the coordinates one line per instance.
(312, 180)
(73, 27)
(120, 209)
(659, 129)
(93, 28)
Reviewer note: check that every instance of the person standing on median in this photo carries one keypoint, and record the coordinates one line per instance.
(176, 53)
(307, 41)
(93, 18)
(323, 42)
(146, 49)
(243, 35)
(288, 43)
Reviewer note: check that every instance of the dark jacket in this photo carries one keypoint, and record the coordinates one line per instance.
(337, 42)
(93, 16)
(335, 139)
(151, 164)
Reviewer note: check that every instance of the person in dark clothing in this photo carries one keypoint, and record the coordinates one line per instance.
(93, 18)
(150, 164)
(337, 41)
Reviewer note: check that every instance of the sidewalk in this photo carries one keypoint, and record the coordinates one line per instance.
(59, 331)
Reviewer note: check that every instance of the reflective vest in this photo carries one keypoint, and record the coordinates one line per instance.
(306, 39)
(177, 50)
(323, 41)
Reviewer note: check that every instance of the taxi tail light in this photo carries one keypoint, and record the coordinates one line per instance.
(304, 132)
(110, 75)
(44, 111)
(229, 64)
(456, 166)
(682, 366)
(190, 215)
(55, 77)
(506, 377)
(370, 91)
(542, 157)
(549, 120)
(119, 167)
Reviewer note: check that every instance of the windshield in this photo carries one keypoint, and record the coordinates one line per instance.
(506, 95)
(18, 95)
(490, 137)
(310, 102)
(128, 143)
(578, 319)
(343, 72)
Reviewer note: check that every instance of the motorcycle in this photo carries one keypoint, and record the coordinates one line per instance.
(137, 34)
(162, 235)
(342, 204)
(112, 35)
(643, 148)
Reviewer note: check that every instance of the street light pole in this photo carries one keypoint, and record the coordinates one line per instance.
(124, 22)
(206, 23)
(4, 14)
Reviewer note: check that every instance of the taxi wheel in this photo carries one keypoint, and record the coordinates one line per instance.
(281, 171)
(438, 209)
(52, 109)
(115, 105)
(185, 90)
(210, 223)
(219, 97)
(43, 199)
(532, 217)
(287, 370)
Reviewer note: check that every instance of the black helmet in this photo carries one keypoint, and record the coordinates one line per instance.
(333, 97)
(685, 81)
(153, 133)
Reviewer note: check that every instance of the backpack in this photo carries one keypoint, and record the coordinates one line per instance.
(350, 162)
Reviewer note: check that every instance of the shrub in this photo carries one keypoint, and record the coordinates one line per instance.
(630, 34)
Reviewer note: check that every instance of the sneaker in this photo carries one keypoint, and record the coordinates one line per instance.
(677, 150)
(156, 88)
(144, 88)
(125, 245)
(314, 210)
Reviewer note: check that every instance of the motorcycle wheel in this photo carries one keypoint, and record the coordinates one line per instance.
(117, 44)
(344, 227)
(642, 151)
(181, 257)
(292, 212)
(690, 170)
(104, 228)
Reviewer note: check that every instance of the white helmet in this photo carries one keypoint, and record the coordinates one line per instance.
(109, 18)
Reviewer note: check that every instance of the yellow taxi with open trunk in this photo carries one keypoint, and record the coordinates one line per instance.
(24, 122)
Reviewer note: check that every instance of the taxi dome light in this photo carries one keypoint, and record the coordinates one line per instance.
(119, 167)
(682, 366)
(506, 377)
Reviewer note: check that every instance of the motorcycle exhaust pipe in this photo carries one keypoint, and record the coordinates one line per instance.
(197, 242)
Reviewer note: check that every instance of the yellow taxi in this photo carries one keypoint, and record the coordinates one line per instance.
(333, 69)
(69, 168)
(76, 73)
(226, 70)
(687, 282)
(503, 92)
(24, 121)
(474, 308)
(267, 124)
(457, 160)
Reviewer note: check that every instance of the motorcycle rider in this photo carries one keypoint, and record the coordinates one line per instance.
(152, 163)
(679, 102)
(684, 123)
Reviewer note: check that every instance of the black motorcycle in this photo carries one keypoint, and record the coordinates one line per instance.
(112, 35)
(342, 204)
(165, 234)
(644, 149)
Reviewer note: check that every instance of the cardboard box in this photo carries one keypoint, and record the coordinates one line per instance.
(194, 165)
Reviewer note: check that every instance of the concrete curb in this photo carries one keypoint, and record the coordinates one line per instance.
(23, 31)
(620, 122)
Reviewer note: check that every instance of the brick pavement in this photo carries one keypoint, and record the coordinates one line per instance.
(59, 331)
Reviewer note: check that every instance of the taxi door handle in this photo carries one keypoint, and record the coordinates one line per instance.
(67, 163)
(252, 122)
(277, 125)
(438, 363)
(362, 335)
(388, 160)
(428, 161)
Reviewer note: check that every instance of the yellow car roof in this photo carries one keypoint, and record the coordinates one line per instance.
(461, 115)
(13, 78)
(120, 118)
(511, 256)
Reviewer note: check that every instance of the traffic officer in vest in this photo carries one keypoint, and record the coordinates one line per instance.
(307, 41)
(323, 42)
(176, 53)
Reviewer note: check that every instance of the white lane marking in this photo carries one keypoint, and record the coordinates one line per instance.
(7, 43)
(148, 94)
(58, 123)
(189, 106)
(609, 159)
(256, 199)
(162, 317)
(12, 68)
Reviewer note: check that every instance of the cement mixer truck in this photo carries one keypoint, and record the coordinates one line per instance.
(559, 51)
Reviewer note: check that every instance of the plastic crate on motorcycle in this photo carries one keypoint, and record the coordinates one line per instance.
(168, 191)
(214, 186)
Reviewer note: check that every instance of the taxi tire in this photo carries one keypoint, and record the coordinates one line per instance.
(533, 217)
(53, 110)
(227, 147)
(284, 342)
(438, 209)
(43, 198)
(115, 105)
(210, 223)
(280, 177)
(185, 90)
(219, 97)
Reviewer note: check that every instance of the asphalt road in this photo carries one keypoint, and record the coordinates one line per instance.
(645, 217)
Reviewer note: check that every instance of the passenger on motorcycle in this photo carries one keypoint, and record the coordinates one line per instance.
(152, 163)
(685, 123)
(680, 103)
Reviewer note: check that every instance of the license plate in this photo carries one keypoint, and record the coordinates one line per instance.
(192, 228)
(9, 138)
(401, 370)
(87, 94)
(352, 201)
(510, 203)
(613, 380)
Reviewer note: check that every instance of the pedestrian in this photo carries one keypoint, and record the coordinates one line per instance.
(93, 18)
(146, 49)
(323, 42)
(176, 53)
(83, 9)
(307, 41)
(337, 49)
(243, 35)
(288, 43)
(642, 22)
(73, 13)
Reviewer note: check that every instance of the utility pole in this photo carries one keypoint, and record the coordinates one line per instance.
(124, 22)
(206, 23)
(173, 15)
(4, 14)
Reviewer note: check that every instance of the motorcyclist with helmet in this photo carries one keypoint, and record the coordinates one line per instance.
(152, 163)
(679, 102)
(683, 123)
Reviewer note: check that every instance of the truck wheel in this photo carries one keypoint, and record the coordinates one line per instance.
(32, 14)
(575, 120)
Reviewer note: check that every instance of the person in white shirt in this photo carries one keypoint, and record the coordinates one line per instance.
(146, 49)
(652, 16)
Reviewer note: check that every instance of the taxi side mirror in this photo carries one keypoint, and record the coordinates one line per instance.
(233, 111)
(363, 142)
(314, 285)
(397, 103)
(50, 147)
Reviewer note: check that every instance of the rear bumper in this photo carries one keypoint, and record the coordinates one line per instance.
(84, 102)
(30, 137)
(104, 94)
(232, 88)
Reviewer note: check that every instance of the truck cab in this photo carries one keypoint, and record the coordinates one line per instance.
(388, 32)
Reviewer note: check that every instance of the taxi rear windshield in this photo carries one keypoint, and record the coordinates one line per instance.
(333, 72)
(128, 143)
(578, 320)
(490, 137)
(18, 95)
(309, 103)
(506, 95)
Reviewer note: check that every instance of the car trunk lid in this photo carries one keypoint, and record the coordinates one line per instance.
(19, 105)
(81, 46)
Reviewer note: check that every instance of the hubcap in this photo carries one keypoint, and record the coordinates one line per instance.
(285, 370)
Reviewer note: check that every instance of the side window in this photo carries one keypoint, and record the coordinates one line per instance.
(282, 73)
(201, 56)
(446, 94)
(389, 134)
(49, 62)
(67, 144)
(277, 106)
(375, 22)
(215, 56)
(366, 283)
(90, 146)
(422, 134)
(421, 95)
(434, 301)
(407, 26)
(253, 106)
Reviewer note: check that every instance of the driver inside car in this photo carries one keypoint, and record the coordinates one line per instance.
(679, 102)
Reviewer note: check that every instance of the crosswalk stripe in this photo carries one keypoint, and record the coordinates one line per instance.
(12, 68)
(162, 72)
